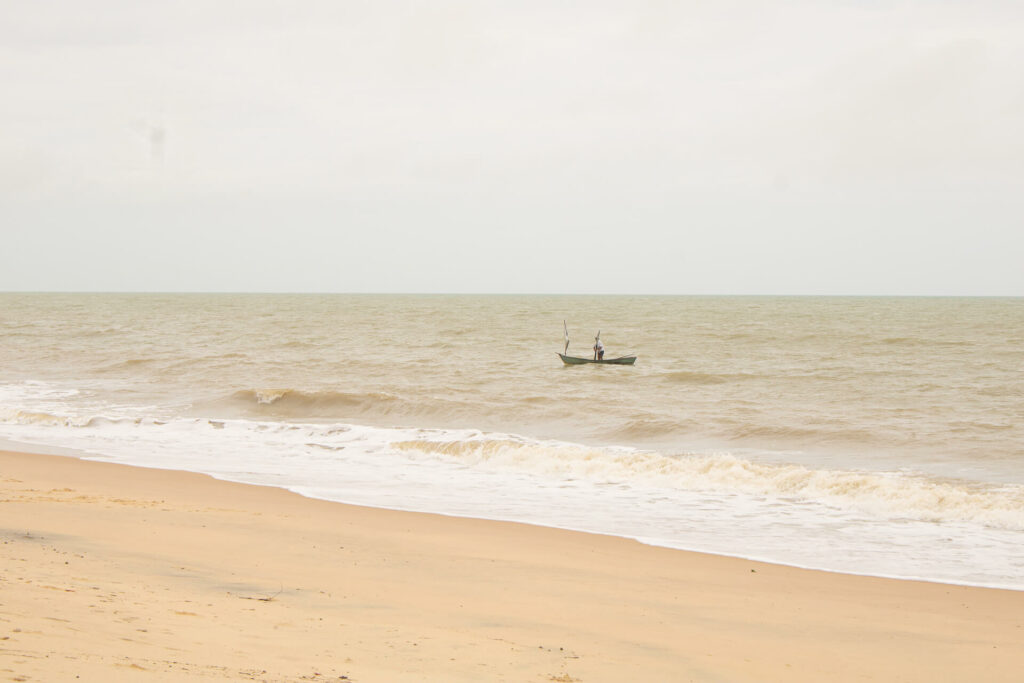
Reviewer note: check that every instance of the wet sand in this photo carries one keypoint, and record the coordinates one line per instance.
(109, 572)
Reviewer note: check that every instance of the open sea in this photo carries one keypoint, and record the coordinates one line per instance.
(880, 436)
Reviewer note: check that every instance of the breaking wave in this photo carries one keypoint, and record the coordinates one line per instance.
(295, 403)
(35, 417)
(45, 419)
(888, 494)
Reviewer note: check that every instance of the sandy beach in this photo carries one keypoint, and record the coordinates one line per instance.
(110, 572)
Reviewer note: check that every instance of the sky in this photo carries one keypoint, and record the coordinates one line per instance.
(805, 147)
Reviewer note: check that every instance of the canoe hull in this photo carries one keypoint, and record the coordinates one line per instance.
(574, 360)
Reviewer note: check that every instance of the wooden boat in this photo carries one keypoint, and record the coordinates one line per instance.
(574, 360)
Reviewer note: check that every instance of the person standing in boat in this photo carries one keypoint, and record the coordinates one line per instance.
(598, 348)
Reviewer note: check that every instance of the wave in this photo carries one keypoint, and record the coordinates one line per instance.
(972, 426)
(640, 429)
(35, 417)
(685, 377)
(900, 340)
(692, 377)
(287, 403)
(42, 418)
(45, 419)
(806, 435)
(298, 344)
(102, 332)
(649, 428)
(305, 402)
(128, 364)
(887, 494)
(374, 406)
(922, 341)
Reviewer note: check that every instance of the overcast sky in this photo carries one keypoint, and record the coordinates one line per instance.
(818, 147)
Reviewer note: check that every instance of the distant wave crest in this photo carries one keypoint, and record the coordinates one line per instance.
(690, 377)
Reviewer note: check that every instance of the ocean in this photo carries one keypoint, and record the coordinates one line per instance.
(879, 436)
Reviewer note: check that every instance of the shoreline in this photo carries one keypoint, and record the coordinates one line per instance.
(303, 491)
(111, 570)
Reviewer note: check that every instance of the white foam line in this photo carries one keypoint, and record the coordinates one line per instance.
(309, 492)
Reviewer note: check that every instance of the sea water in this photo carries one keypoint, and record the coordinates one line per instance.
(879, 436)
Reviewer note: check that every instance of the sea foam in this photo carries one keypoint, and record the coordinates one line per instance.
(885, 523)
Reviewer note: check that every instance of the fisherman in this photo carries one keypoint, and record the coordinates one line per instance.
(598, 348)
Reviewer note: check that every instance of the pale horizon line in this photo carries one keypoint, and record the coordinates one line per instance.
(511, 294)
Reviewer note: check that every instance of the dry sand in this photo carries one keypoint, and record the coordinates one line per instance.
(111, 573)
